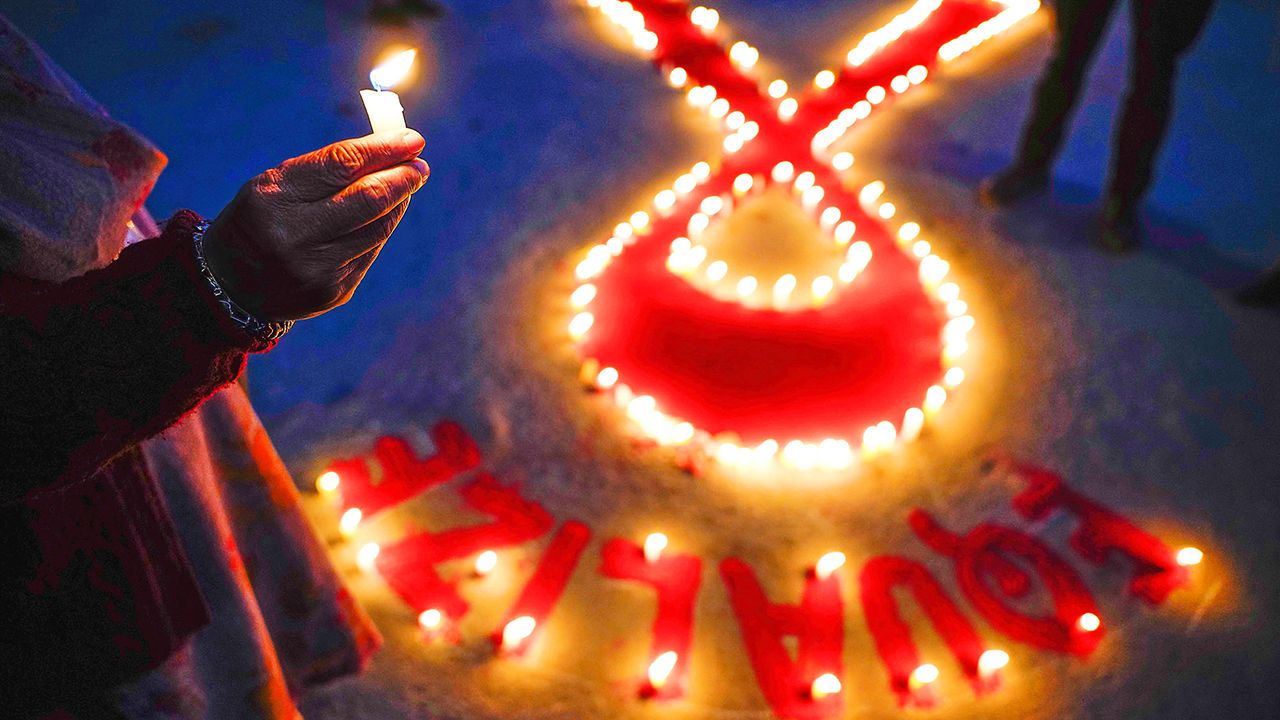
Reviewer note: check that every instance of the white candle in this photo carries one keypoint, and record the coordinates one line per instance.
(383, 106)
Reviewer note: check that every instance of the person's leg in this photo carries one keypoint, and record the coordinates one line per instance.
(1162, 32)
(1080, 25)
(1263, 292)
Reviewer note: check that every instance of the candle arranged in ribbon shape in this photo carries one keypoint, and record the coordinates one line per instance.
(383, 106)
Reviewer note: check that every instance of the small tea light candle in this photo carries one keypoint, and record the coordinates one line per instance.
(382, 105)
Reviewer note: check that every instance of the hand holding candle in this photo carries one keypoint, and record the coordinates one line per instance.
(297, 239)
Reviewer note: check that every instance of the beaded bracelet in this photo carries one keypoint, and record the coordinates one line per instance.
(257, 329)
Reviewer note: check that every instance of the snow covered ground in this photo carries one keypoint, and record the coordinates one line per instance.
(1136, 377)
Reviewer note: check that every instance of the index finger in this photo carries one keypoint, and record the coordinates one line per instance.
(321, 173)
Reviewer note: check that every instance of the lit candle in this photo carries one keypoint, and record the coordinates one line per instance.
(517, 631)
(349, 522)
(828, 564)
(991, 662)
(486, 562)
(327, 483)
(383, 106)
(654, 544)
(430, 620)
(824, 686)
(924, 675)
(661, 667)
(367, 557)
(1189, 556)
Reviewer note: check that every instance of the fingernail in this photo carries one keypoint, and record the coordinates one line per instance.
(422, 167)
(411, 137)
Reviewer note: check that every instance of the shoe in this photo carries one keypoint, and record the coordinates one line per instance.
(1120, 235)
(1119, 230)
(1014, 184)
(1264, 292)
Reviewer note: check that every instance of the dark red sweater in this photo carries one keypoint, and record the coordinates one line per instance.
(94, 586)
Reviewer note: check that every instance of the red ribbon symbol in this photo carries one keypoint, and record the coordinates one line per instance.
(750, 369)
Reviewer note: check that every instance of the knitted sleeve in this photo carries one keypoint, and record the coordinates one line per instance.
(92, 366)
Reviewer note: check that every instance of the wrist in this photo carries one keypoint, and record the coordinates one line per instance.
(256, 328)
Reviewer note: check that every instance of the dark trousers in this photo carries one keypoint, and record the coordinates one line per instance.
(1162, 32)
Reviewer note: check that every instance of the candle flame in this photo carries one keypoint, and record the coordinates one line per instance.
(486, 562)
(923, 675)
(517, 631)
(1188, 556)
(828, 564)
(660, 669)
(349, 522)
(825, 685)
(1089, 622)
(393, 70)
(654, 544)
(328, 482)
(367, 557)
(992, 661)
(431, 619)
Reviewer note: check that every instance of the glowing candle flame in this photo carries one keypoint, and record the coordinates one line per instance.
(1089, 622)
(654, 544)
(517, 631)
(368, 556)
(1189, 556)
(824, 686)
(349, 521)
(992, 661)
(431, 619)
(486, 562)
(328, 482)
(828, 564)
(926, 674)
(393, 70)
(660, 669)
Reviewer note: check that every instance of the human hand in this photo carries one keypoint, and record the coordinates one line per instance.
(296, 241)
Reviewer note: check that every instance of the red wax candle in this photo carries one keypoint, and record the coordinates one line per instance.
(984, 553)
(817, 623)
(401, 473)
(676, 579)
(1156, 571)
(408, 566)
(546, 585)
(892, 636)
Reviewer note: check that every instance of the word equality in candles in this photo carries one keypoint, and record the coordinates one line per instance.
(994, 565)
(383, 106)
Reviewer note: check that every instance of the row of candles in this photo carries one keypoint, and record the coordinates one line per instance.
(517, 632)
(688, 254)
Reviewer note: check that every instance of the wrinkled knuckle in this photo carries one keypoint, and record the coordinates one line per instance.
(265, 187)
(377, 195)
(344, 163)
